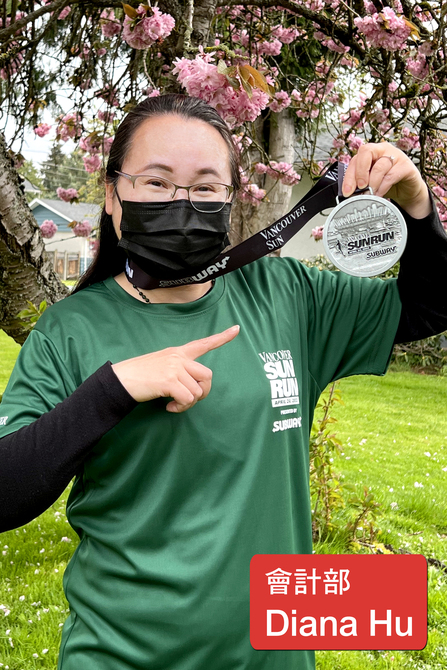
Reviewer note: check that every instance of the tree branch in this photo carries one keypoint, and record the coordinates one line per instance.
(325, 22)
(52, 7)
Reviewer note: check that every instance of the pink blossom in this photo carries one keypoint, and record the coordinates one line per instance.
(64, 13)
(109, 25)
(201, 79)
(91, 144)
(280, 102)
(392, 86)
(317, 233)
(85, 53)
(338, 48)
(92, 163)
(251, 193)
(347, 62)
(106, 145)
(426, 48)
(142, 32)
(69, 127)
(384, 127)
(381, 115)
(408, 140)
(313, 5)
(369, 7)
(242, 37)
(260, 168)
(282, 171)
(107, 116)
(67, 194)
(355, 142)
(94, 245)
(48, 229)
(352, 117)
(13, 66)
(330, 44)
(437, 190)
(241, 141)
(109, 94)
(82, 229)
(269, 48)
(42, 129)
(286, 35)
(384, 29)
(417, 68)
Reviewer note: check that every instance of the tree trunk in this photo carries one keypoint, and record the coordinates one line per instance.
(24, 272)
(204, 12)
(248, 219)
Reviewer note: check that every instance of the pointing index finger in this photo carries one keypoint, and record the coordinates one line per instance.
(197, 348)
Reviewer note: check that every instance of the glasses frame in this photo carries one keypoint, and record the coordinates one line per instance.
(134, 177)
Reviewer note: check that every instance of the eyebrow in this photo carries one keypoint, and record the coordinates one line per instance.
(167, 168)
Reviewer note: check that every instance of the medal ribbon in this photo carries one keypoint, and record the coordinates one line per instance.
(321, 196)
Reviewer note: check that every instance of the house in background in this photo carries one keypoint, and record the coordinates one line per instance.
(302, 245)
(71, 255)
(30, 189)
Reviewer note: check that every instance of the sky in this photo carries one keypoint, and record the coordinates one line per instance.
(36, 148)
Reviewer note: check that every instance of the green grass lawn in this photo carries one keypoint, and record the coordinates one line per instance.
(394, 432)
(394, 435)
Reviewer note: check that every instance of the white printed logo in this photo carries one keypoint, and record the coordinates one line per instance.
(3, 420)
(285, 424)
(129, 269)
(280, 372)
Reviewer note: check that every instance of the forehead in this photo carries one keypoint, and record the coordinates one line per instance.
(183, 144)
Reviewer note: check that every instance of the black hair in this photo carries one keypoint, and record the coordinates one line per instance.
(110, 258)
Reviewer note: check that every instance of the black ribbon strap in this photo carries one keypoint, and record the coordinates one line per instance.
(321, 196)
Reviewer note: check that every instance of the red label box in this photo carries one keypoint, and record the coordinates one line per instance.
(302, 601)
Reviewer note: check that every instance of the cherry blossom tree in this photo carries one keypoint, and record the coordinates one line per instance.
(280, 72)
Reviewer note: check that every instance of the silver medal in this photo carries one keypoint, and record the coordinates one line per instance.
(364, 235)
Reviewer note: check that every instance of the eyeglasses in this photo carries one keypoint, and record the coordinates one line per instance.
(209, 197)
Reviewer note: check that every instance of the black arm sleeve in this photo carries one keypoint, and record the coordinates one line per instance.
(38, 461)
(422, 275)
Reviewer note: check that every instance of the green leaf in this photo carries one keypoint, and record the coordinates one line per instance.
(222, 67)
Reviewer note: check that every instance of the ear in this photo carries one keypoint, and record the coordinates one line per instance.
(110, 192)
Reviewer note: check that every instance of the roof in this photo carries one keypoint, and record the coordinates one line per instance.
(29, 186)
(68, 211)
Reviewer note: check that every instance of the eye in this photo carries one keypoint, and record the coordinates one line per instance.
(154, 182)
(205, 188)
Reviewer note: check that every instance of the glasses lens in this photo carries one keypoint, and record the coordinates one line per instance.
(153, 188)
(209, 197)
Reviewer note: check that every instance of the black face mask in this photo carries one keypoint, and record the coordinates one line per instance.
(167, 239)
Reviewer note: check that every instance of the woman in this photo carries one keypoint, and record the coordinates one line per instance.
(173, 498)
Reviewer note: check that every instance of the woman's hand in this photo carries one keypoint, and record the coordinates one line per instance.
(172, 372)
(398, 179)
